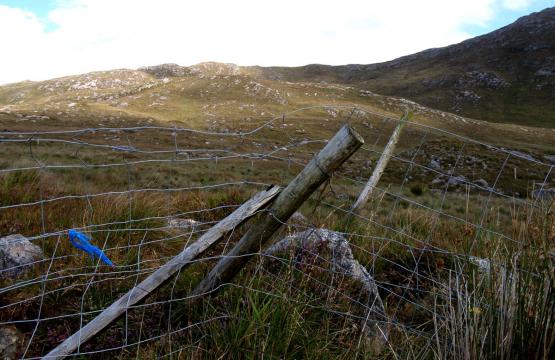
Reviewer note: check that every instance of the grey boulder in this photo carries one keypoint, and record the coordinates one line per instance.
(17, 253)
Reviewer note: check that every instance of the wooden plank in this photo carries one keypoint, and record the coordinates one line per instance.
(153, 281)
(336, 151)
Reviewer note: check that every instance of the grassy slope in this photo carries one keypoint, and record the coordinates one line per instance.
(204, 100)
(289, 316)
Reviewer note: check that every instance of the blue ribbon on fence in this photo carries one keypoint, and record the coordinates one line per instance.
(82, 242)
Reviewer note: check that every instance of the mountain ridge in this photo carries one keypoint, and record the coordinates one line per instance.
(483, 76)
(506, 76)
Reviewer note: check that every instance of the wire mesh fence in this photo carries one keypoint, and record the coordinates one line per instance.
(457, 239)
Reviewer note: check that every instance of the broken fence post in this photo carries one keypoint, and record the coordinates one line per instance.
(380, 167)
(154, 280)
(345, 142)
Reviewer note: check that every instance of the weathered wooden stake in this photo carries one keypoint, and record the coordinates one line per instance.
(337, 150)
(153, 281)
(380, 167)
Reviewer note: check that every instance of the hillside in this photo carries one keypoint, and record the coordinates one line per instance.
(451, 257)
(225, 99)
(144, 193)
(506, 76)
(221, 97)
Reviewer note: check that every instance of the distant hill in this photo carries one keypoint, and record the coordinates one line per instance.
(507, 75)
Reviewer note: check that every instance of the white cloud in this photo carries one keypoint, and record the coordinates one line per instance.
(515, 4)
(22, 39)
(104, 34)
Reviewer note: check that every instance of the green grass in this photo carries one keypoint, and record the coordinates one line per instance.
(276, 310)
(291, 318)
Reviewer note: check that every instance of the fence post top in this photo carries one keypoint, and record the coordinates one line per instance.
(353, 133)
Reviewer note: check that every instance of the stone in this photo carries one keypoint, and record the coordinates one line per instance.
(483, 265)
(434, 164)
(487, 268)
(16, 251)
(315, 245)
(482, 183)
(183, 223)
(11, 341)
(456, 180)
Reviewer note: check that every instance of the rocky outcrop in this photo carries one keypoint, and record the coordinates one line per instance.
(215, 68)
(166, 70)
(484, 79)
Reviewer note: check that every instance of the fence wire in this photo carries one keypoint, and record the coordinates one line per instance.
(453, 221)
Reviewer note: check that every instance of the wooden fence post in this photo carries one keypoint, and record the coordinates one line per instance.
(380, 167)
(156, 279)
(345, 142)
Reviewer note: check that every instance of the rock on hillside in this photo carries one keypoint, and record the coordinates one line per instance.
(166, 70)
(214, 68)
(205, 68)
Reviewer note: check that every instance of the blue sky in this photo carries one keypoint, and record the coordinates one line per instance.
(51, 38)
(39, 7)
(504, 16)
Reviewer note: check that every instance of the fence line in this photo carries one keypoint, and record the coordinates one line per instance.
(414, 236)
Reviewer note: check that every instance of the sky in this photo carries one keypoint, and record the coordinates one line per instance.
(43, 39)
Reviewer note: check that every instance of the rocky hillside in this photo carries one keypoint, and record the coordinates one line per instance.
(505, 76)
(222, 97)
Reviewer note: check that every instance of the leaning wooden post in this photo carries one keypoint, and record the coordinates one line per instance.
(157, 278)
(319, 169)
(380, 166)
